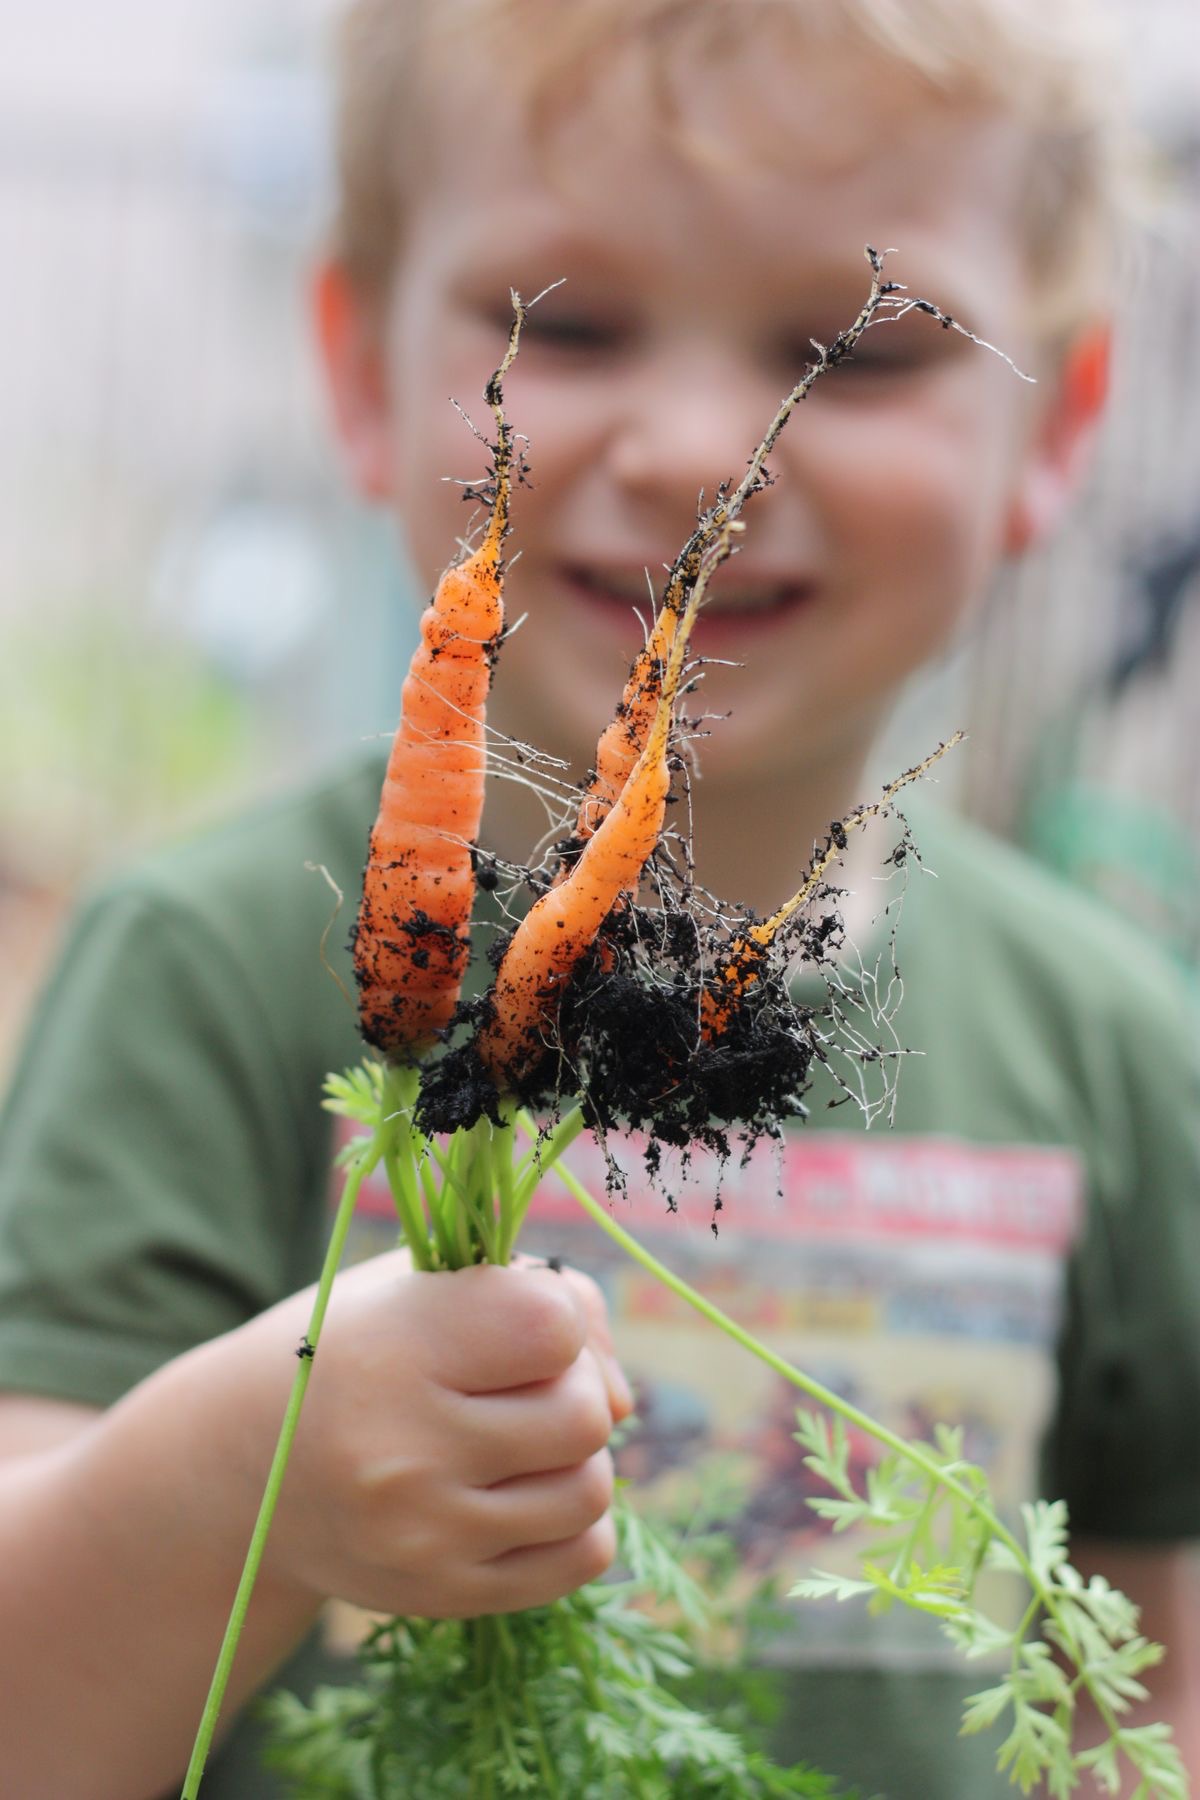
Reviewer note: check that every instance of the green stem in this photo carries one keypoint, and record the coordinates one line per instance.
(479, 1197)
(402, 1165)
(479, 1726)
(814, 1389)
(542, 1158)
(1023, 1629)
(429, 1186)
(408, 1209)
(356, 1174)
(912, 1453)
(503, 1139)
(443, 1213)
(460, 1218)
(550, 1785)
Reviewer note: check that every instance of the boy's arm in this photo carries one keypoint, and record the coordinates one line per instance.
(1164, 1581)
(115, 1576)
(451, 1461)
(163, 1171)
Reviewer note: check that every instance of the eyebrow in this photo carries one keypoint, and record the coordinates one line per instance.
(549, 231)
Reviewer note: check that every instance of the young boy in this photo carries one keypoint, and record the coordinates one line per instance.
(705, 176)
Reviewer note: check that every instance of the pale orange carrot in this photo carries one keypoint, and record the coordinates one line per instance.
(624, 737)
(748, 951)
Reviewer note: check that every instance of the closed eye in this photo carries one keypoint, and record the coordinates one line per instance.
(884, 352)
(573, 334)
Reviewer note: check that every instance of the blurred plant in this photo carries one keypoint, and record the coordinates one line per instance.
(108, 734)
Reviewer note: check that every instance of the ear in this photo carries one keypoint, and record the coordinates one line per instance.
(1056, 459)
(350, 337)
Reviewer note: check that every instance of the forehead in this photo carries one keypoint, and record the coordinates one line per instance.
(760, 160)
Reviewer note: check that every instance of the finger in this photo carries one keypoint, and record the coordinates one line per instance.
(531, 1431)
(617, 1388)
(539, 1575)
(599, 1335)
(485, 1329)
(552, 1508)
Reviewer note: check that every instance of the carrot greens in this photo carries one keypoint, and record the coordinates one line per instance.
(936, 1530)
(577, 1699)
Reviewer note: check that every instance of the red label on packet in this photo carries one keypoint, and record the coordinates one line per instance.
(1022, 1197)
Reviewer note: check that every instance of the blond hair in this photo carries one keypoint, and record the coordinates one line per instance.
(1048, 63)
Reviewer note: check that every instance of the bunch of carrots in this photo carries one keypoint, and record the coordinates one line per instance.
(448, 1112)
(571, 1013)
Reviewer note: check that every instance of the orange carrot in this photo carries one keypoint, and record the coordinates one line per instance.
(750, 948)
(552, 939)
(624, 737)
(746, 956)
(412, 939)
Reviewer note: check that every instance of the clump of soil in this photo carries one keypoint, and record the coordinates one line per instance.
(628, 1038)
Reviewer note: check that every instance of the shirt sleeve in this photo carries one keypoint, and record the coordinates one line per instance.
(1125, 1454)
(151, 1164)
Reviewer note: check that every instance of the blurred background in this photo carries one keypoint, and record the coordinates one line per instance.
(185, 587)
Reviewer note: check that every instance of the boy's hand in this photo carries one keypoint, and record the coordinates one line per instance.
(452, 1454)
(450, 1459)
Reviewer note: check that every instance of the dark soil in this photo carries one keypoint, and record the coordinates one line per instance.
(628, 1038)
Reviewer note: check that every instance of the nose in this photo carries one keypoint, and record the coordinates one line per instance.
(690, 417)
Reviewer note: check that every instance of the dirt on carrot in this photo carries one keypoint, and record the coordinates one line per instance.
(412, 941)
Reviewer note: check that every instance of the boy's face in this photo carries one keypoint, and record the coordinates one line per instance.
(693, 285)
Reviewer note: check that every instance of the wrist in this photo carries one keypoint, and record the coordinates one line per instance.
(191, 1446)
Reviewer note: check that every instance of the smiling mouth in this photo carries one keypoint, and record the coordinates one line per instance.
(730, 606)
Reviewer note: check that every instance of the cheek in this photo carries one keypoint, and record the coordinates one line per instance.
(920, 494)
(563, 418)
(436, 460)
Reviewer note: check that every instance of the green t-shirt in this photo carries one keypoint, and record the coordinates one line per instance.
(1019, 1253)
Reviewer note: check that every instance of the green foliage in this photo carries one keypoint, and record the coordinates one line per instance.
(356, 1095)
(108, 734)
(932, 1528)
(579, 1699)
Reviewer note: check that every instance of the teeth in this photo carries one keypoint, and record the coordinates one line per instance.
(634, 588)
(636, 591)
(753, 600)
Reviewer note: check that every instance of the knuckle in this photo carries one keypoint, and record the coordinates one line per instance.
(595, 1486)
(593, 1428)
(595, 1550)
(550, 1322)
(591, 1416)
(380, 1543)
(588, 1292)
(590, 1298)
(578, 1423)
(404, 1513)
